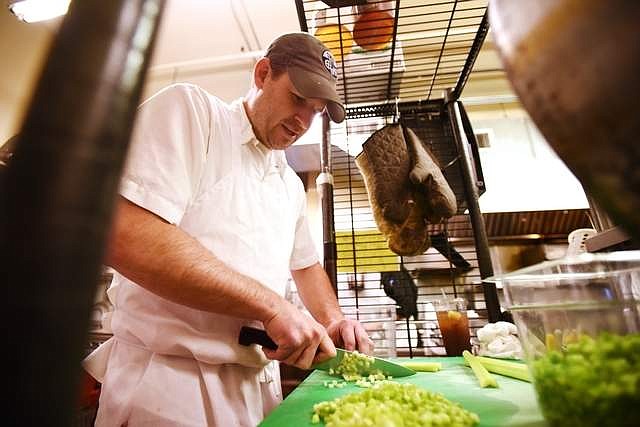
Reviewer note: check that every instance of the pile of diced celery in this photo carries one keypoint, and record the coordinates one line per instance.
(390, 404)
(591, 382)
(353, 366)
(356, 367)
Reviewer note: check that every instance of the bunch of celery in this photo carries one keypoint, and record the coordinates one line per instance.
(508, 368)
(484, 377)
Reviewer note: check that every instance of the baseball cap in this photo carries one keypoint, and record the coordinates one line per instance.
(311, 69)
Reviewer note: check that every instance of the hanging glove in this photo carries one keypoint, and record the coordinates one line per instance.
(429, 180)
(384, 163)
(398, 212)
(412, 238)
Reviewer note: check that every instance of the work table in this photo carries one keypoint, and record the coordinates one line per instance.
(512, 404)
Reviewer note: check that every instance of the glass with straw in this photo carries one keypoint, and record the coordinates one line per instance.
(454, 324)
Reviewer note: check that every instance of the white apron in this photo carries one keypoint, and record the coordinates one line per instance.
(169, 365)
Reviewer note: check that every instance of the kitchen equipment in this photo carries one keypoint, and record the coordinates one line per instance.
(578, 320)
(575, 67)
(249, 335)
(513, 404)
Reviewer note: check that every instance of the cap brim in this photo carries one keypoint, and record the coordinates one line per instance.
(312, 85)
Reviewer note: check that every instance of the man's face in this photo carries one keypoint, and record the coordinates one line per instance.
(282, 114)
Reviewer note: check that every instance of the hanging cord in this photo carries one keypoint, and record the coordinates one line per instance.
(451, 266)
(396, 112)
(240, 27)
(451, 163)
(402, 268)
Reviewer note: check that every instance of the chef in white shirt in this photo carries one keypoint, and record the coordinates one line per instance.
(210, 224)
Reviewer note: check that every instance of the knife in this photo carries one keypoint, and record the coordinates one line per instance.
(249, 335)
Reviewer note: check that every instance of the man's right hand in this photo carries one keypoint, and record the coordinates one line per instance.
(301, 340)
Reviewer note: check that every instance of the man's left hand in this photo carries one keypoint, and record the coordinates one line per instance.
(350, 335)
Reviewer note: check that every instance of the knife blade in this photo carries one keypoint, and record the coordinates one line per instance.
(249, 335)
(387, 367)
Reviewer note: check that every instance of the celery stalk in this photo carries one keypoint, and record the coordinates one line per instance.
(422, 366)
(505, 367)
(484, 377)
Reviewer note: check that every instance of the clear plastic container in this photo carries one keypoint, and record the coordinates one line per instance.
(579, 324)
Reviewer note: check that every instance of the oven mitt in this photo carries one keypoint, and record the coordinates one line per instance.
(428, 178)
(412, 237)
(385, 165)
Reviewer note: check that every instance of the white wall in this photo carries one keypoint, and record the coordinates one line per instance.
(23, 47)
(521, 171)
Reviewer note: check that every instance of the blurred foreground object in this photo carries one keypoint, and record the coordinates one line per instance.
(57, 199)
(575, 64)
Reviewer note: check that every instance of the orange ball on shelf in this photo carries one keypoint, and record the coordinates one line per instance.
(373, 30)
(332, 35)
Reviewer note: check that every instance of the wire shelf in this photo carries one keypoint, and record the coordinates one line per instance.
(432, 46)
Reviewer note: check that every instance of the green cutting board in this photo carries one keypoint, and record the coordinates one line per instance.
(512, 404)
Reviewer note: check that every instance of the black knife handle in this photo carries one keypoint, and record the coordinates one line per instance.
(249, 335)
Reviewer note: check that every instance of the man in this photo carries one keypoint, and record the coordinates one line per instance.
(210, 226)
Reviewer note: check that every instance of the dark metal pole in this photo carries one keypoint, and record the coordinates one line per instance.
(302, 19)
(58, 197)
(477, 222)
(324, 183)
(481, 34)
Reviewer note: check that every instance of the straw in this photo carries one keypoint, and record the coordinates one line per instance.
(444, 295)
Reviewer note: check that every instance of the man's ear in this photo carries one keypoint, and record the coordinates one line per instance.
(261, 71)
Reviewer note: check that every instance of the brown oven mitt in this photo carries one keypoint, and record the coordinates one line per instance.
(412, 237)
(440, 202)
(385, 164)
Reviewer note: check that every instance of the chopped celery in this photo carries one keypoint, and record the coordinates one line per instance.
(484, 377)
(393, 404)
(591, 382)
(353, 366)
(507, 368)
(357, 367)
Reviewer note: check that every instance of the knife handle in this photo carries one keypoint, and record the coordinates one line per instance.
(249, 335)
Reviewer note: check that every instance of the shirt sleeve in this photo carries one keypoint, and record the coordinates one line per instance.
(304, 252)
(168, 151)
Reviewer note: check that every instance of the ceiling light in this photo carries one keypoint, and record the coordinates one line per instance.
(38, 10)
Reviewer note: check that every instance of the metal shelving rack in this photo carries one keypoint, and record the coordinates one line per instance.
(415, 79)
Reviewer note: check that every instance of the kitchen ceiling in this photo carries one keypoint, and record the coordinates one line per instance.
(198, 29)
(212, 43)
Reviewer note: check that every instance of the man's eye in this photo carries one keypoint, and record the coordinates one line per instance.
(297, 98)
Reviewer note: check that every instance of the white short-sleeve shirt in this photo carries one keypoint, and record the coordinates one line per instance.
(184, 130)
